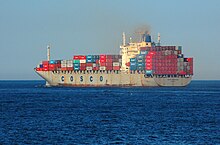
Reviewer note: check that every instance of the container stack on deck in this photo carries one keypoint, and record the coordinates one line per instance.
(158, 60)
(83, 63)
(162, 60)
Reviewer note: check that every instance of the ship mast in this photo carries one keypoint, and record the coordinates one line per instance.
(48, 52)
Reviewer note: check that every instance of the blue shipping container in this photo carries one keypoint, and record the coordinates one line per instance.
(140, 56)
(140, 64)
(52, 61)
(133, 68)
(149, 71)
(140, 68)
(133, 60)
(76, 64)
(76, 68)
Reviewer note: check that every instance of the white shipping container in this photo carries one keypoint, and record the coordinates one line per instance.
(82, 61)
(94, 65)
(102, 68)
(69, 61)
(180, 63)
(180, 59)
(116, 63)
(88, 68)
(63, 61)
(175, 52)
(63, 65)
(70, 65)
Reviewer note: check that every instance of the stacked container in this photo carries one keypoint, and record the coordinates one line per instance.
(165, 63)
(140, 62)
(149, 62)
(133, 64)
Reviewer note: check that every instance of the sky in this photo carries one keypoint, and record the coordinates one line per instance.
(95, 27)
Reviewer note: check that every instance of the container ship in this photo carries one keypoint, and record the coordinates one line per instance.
(143, 64)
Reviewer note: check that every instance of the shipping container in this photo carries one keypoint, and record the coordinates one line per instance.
(133, 60)
(88, 68)
(76, 68)
(45, 65)
(102, 64)
(82, 61)
(149, 71)
(63, 65)
(140, 56)
(82, 57)
(116, 67)
(102, 56)
(52, 62)
(102, 60)
(76, 61)
(133, 64)
(143, 52)
(102, 68)
(109, 68)
(45, 62)
(133, 67)
(70, 65)
(140, 68)
(116, 64)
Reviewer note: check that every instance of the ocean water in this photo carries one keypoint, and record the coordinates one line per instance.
(33, 114)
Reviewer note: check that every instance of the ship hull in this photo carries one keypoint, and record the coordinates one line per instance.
(110, 79)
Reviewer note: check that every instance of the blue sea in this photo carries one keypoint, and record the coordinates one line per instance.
(33, 114)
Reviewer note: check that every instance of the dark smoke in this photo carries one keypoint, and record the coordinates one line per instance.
(139, 31)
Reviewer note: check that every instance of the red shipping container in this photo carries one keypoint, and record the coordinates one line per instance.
(95, 68)
(149, 64)
(152, 52)
(51, 69)
(82, 57)
(149, 61)
(76, 57)
(109, 60)
(102, 64)
(52, 65)
(45, 69)
(45, 62)
(89, 64)
(82, 68)
(82, 64)
(39, 69)
(108, 64)
(148, 57)
(63, 68)
(109, 67)
(45, 65)
(102, 56)
(69, 68)
(109, 57)
(149, 68)
(102, 60)
(116, 67)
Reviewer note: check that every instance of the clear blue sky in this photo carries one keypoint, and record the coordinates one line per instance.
(95, 26)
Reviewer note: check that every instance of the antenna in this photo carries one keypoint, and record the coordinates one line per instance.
(48, 52)
(124, 39)
(158, 38)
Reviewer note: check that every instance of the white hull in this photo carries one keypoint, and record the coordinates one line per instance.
(103, 79)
